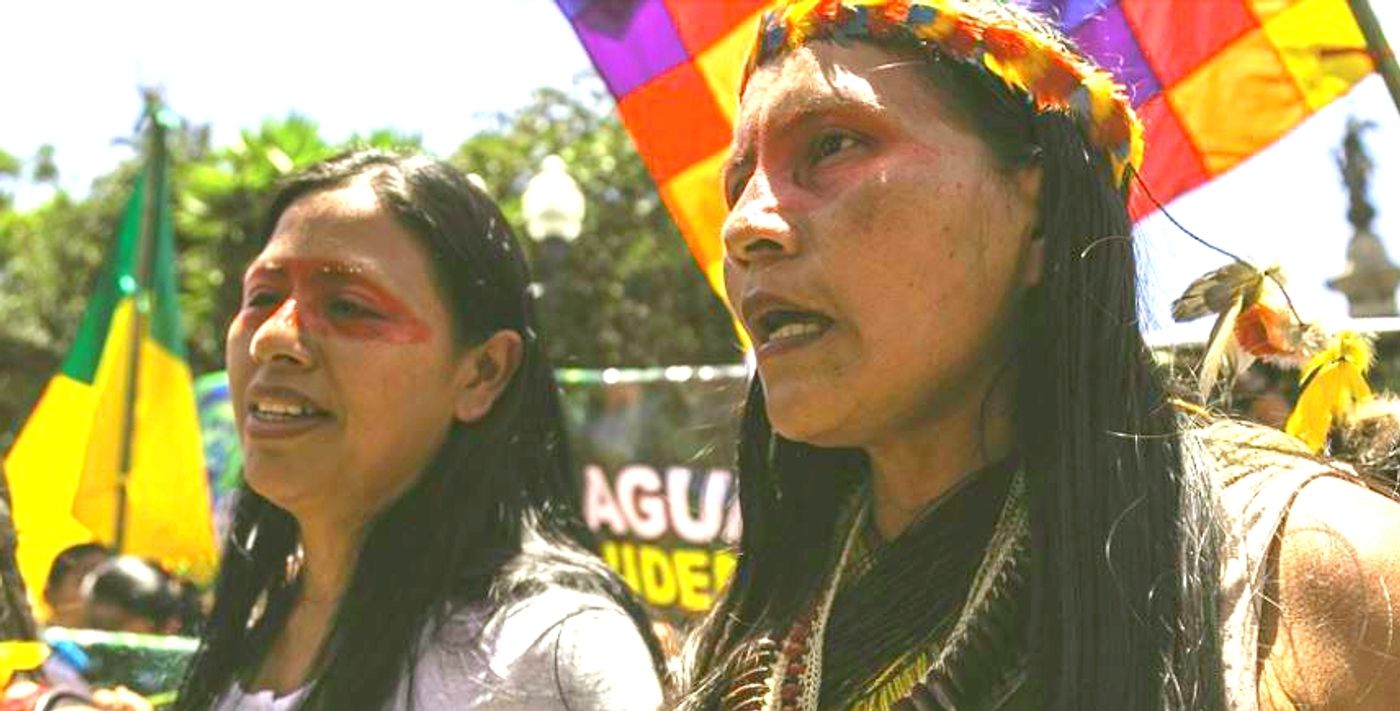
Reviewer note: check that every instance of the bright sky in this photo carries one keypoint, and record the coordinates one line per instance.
(442, 69)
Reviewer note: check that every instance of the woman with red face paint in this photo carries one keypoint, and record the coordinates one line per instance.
(408, 536)
(963, 483)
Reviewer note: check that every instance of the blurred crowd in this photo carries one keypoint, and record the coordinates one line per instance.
(90, 587)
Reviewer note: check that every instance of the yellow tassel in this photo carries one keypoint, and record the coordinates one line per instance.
(19, 655)
(1333, 383)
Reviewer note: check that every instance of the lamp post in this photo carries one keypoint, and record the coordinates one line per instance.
(1370, 277)
(553, 207)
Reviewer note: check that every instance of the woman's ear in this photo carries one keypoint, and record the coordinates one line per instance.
(1027, 184)
(1033, 266)
(485, 371)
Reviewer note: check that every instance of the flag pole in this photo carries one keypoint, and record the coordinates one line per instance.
(1377, 47)
(150, 220)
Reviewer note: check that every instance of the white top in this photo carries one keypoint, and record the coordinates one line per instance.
(236, 699)
(560, 649)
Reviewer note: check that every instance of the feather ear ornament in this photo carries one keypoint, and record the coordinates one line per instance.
(1255, 320)
(1333, 384)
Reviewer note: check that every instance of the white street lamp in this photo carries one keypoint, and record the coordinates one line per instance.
(553, 208)
(552, 203)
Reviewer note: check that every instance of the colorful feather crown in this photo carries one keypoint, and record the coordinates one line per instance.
(1025, 57)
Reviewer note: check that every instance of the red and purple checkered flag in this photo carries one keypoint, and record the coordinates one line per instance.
(1215, 81)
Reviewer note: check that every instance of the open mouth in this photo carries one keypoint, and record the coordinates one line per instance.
(785, 326)
(283, 411)
(279, 411)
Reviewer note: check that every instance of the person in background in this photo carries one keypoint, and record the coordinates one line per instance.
(128, 594)
(28, 681)
(26, 695)
(63, 591)
(1260, 396)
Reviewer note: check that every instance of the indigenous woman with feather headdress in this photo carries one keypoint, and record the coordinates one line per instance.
(963, 480)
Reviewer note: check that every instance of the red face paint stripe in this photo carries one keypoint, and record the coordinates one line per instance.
(328, 298)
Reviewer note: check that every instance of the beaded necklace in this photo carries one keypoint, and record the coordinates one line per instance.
(786, 675)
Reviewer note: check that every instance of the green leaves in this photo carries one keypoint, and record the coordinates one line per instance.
(10, 166)
(49, 257)
(45, 168)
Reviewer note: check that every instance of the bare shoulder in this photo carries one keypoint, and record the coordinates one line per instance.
(1330, 636)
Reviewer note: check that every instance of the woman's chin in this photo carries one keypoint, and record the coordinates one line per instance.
(282, 484)
(811, 424)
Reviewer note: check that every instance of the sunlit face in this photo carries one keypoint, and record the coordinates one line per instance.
(342, 366)
(874, 249)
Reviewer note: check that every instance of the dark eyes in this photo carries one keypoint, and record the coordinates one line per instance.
(734, 182)
(335, 308)
(345, 308)
(830, 144)
(262, 300)
(826, 145)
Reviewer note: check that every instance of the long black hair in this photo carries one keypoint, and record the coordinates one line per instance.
(1122, 581)
(458, 534)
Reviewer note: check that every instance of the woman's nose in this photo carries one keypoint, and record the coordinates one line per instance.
(281, 337)
(756, 228)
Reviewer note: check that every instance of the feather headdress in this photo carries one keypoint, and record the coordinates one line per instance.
(1025, 57)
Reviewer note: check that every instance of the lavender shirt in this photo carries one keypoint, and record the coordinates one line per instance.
(560, 649)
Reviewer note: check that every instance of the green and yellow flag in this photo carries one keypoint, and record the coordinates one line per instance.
(65, 469)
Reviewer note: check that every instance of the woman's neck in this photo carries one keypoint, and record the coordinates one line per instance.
(913, 468)
(330, 549)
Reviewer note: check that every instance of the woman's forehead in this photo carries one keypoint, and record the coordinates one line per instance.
(813, 71)
(354, 201)
(826, 76)
(349, 225)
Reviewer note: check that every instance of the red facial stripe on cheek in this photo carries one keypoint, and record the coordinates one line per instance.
(390, 321)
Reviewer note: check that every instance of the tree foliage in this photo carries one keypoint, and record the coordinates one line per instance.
(628, 293)
(10, 168)
(45, 168)
(49, 257)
